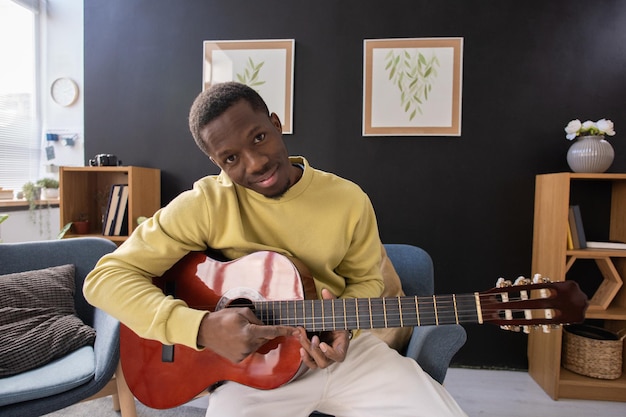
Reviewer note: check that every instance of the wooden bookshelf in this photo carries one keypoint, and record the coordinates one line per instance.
(83, 192)
(552, 259)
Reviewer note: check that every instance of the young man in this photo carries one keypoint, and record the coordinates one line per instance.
(265, 200)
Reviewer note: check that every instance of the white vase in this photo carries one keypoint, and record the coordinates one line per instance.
(49, 193)
(590, 154)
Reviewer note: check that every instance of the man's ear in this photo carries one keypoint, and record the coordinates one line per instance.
(276, 122)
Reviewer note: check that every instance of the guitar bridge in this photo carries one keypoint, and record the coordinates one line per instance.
(167, 353)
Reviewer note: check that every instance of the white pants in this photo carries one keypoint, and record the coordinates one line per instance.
(374, 380)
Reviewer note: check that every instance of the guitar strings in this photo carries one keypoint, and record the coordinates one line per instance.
(389, 312)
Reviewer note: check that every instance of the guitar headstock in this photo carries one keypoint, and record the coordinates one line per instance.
(533, 303)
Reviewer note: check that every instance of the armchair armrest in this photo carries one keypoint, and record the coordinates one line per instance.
(107, 345)
(434, 346)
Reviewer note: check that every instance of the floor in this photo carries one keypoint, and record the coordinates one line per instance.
(481, 393)
(490, 393)
(496, 393)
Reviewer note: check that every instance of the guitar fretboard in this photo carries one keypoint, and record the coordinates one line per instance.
(371, 313)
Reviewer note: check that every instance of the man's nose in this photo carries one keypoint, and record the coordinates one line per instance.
(255, 162)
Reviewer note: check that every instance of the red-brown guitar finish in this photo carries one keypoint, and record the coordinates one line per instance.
(202, 282)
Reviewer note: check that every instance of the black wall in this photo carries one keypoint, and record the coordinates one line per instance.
(529, 68)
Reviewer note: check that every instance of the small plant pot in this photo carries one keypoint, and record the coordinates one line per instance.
(49, 193)
(81, 228)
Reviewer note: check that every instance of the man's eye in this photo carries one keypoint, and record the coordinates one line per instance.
(230, 159)
(259, 138)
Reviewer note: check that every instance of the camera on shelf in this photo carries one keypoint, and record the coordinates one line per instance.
(105, 160)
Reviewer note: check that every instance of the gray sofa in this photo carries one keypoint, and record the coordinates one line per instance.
(81, 373)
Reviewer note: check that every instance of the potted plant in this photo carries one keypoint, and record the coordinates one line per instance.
(32, 193)
(81, 226)
(49, 188)
(590, 152)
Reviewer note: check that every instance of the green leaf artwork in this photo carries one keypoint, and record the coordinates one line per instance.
(250, 74)
(414, 76)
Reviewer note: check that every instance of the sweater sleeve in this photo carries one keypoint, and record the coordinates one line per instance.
(361, 264)
(121, 282)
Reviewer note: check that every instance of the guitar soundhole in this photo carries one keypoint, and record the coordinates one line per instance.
(241, 302)
(239, 297)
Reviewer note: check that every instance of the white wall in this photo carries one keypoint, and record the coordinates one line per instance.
(62, 56)
(61, 41)
(20, 227)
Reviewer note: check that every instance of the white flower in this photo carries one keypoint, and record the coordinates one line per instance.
(587, 126)
(572, 129)
(606, 126)
(602, 127)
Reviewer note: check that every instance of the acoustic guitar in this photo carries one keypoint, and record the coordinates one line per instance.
(281, 291)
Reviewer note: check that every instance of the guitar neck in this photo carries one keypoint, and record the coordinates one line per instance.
(371, 313)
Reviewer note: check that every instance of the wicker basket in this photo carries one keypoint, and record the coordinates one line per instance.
(592, 351)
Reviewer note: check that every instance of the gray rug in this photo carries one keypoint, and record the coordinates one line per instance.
(103, 407)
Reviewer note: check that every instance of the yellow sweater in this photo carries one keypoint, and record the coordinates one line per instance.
(325, 221)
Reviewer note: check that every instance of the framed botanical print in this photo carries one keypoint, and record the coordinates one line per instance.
(265, 65)
(412, 87)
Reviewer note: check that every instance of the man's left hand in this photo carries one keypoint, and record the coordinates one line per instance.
(326, 349)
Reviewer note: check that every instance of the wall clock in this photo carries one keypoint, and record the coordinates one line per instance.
(64, 91)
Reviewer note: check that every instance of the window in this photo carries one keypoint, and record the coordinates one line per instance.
(20, 144)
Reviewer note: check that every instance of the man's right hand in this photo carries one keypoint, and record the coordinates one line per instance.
(235, 333)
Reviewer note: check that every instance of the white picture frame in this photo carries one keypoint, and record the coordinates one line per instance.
(265, 65)
(412, 87)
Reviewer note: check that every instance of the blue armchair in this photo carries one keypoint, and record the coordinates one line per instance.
(29, 393)
(431, 346)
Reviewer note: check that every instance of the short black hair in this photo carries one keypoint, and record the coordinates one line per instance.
(215, 100)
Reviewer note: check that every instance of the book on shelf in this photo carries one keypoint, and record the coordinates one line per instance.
(570, 241)
(576, 232)
(576, 228)
(121, 219)
(611, 244)
(578, 218)
(109, 219)
(571, 228)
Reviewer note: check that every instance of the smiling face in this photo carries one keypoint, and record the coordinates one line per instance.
(248, 146)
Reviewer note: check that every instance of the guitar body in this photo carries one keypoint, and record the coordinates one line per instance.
(210, 285)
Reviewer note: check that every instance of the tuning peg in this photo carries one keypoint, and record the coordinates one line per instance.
(545, 328)
(512, 328)
(539, 279)
(501, 283)
(522, 281)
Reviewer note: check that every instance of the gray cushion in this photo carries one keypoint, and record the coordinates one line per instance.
(70, 371)
(38, 322)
